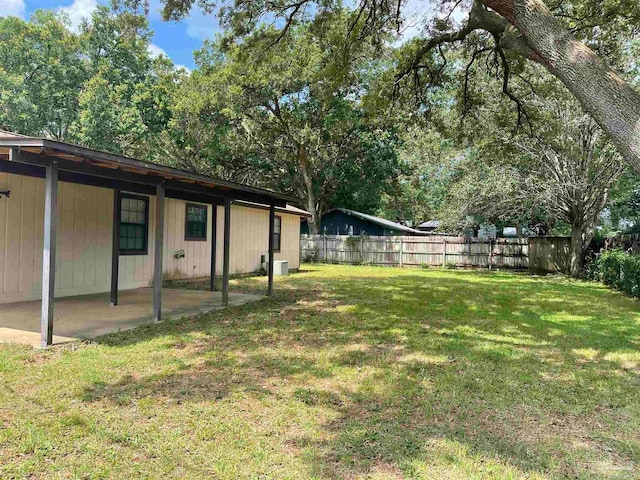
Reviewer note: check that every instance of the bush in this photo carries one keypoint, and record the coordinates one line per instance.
(619, 270)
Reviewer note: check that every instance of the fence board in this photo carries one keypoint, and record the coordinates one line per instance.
(549, 254)
(629, 242)
(416, 251)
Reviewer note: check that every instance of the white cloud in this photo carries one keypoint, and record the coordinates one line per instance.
(183, 67)
(201, 25)
(79, 10)
(12, 7)
(419, 14)
(155, 51)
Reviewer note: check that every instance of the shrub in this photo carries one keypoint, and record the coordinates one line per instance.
(450, 265)
(619, 270)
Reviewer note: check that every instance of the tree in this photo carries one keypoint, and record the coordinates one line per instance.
(41, 69)
(99, 87)
(558, 40)
(290, 111)
(123, 106)
(564, 173)
(429, 160)
(624, 212)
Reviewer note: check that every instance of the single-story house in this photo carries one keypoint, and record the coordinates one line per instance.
(342, 221)
(79, 221)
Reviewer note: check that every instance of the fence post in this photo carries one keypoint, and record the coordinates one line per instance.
(361, 248)
(401, 253)
(490, 253)
(324, 247)
(444, 252)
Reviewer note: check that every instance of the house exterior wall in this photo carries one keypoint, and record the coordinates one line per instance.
(84, 236)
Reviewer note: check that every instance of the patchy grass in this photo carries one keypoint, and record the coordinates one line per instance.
(349, 372)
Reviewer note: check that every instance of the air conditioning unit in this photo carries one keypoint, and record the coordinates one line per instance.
(280, 267)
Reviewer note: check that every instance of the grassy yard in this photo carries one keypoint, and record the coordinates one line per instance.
(349, 372)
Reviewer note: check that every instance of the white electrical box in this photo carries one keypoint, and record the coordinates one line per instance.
(281, 267)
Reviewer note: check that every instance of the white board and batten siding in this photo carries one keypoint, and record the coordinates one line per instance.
(83, 256)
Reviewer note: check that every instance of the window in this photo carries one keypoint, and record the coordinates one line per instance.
(196, 222)
(134, 225)
(277, 233)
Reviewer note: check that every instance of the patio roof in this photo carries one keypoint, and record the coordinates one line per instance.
(59, 161)
(29, 155)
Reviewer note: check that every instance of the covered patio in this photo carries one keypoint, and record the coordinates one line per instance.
(89, 316)
(93, 315)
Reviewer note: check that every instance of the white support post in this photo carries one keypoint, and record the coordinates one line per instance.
(49, 254)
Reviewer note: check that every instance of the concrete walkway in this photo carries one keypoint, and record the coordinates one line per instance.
(89, 316)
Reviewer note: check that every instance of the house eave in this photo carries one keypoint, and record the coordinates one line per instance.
(45, 148)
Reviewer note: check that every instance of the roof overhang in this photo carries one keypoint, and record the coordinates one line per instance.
(29, 156)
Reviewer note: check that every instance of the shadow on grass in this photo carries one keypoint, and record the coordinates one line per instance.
(505, 366)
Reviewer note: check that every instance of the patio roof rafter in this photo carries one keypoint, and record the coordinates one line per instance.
(117, 178)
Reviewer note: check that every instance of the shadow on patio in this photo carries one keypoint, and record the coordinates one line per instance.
(89, 316)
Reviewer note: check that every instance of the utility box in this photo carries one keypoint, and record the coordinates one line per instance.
(281, 267)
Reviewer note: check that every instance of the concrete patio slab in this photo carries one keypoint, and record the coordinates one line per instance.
(90, 316)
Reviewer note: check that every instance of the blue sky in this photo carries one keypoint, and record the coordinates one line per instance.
(177, 40)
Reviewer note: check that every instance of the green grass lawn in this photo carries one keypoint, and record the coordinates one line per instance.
(348, 372)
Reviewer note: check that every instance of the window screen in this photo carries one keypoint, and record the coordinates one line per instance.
(196, 222)
(134, 225)
(277, 233)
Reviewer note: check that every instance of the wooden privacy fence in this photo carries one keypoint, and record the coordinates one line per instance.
(629, 242)
(437, 251)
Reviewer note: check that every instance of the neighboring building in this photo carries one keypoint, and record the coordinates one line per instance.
(101, 197)
(341, 221)
(484, 231)
(428, 226)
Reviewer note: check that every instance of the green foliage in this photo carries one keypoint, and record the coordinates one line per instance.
(288, 115)
(428, 167)
(619, 270)
(352, 242)
(41, 71)
(99, 87)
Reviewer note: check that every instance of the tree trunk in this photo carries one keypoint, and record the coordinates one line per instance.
(581, 236)
(314, 221)
(612, 103)
(312, 203)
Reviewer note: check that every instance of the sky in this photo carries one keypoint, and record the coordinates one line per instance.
(177, 40)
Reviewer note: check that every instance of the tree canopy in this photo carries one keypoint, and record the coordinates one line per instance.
(569, 38)
(290, 115)
(99, 87)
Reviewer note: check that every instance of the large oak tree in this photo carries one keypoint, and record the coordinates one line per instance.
(558, 36)
(288, 115)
